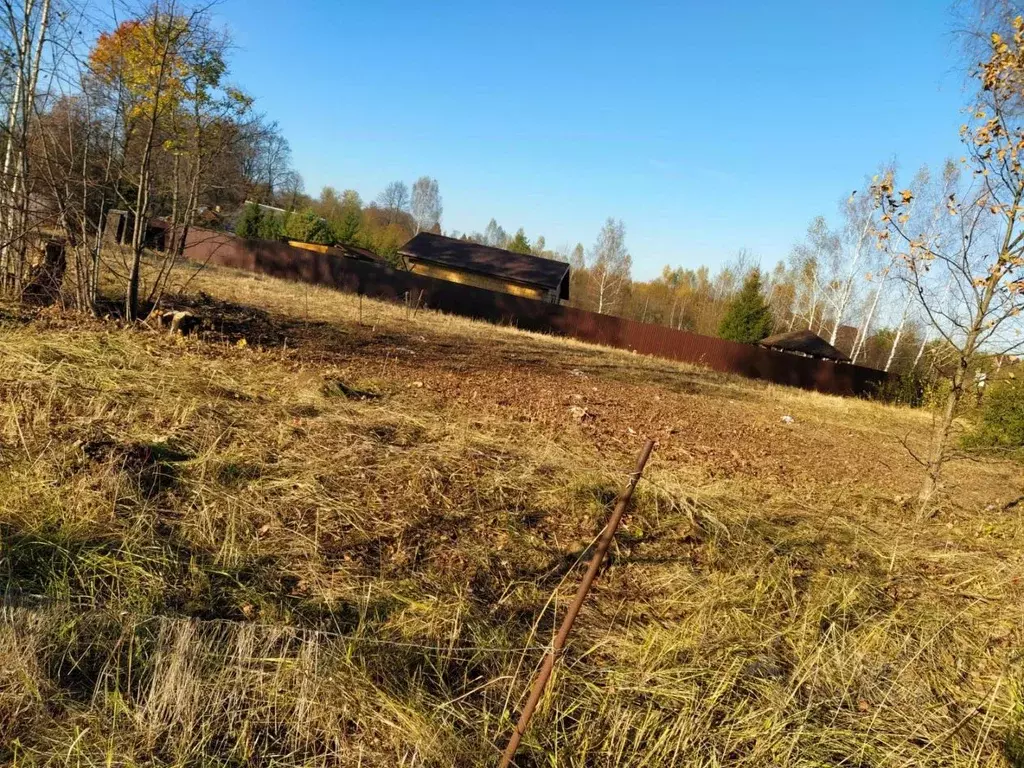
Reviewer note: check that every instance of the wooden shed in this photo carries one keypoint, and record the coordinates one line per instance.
(462, 261)
(805, 343)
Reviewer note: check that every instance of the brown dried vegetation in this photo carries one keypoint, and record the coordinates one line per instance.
(331, 532)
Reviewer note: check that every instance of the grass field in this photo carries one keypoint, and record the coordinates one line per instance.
(333, 532)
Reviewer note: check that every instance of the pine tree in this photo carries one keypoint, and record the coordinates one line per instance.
(270, 227)
(519, 243)
(249, 222)
(748, 318)
(346, 228)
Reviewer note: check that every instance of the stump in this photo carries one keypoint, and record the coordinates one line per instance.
(47, 277)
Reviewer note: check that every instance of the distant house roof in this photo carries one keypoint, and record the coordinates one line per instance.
(805, 343)
(360, 254)
(472, 257)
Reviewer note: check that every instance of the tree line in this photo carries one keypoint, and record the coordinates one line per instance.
(334, 218)
(135, 114)
(835, 282)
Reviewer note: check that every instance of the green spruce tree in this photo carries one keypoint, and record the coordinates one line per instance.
(519, 243)
(309, 227)
(345, 229)
(748, 318)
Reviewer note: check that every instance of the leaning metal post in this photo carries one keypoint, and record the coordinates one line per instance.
(563, 632)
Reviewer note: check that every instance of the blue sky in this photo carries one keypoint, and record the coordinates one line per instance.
(705, 126)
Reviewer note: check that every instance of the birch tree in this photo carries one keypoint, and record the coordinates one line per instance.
(879, 278)
(977, 246)
(426, 207)
(145, 59)
(845, 265)
(26, 25)
(812, 261)
(494, 235)
(201, 131)
(781, 296)
(75, 175)
(609, 266)
(899, 332)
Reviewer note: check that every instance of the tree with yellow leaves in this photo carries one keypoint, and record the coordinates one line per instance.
(153, 64)
(960, 241)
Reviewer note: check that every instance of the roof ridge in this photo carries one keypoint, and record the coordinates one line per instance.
(484, 245)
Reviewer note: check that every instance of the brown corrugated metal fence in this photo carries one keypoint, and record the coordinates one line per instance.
(378, 281)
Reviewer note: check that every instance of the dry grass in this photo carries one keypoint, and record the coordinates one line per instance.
(214, 556)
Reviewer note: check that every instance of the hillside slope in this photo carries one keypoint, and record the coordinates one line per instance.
(339, 532)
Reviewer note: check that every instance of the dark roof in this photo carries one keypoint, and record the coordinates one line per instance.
(805, 342)
(495, 262)
(354, 252)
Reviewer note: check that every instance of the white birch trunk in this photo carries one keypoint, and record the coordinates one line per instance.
(899, 334)
(6, 187)
(847, 292)
(17, 214)
(920, 350)
(865, 329)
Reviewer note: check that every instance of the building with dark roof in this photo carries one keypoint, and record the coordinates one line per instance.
(805, 343)
(341, 249)
(462, 261)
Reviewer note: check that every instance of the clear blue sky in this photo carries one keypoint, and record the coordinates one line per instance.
(706, 126)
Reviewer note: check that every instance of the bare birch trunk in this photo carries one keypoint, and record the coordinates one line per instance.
(865, 328)
(940, 439)
(898, 336)
(7, 191)
(844, 302)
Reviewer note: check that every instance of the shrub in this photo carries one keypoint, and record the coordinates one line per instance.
(903, 389)
(936, 392)
(385, 242)
(1001, 422)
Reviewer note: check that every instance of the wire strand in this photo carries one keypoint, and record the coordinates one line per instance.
(7, 605)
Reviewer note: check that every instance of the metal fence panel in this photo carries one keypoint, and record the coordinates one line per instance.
(281, 260)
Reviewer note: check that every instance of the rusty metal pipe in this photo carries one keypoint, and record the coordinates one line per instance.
(547, 667)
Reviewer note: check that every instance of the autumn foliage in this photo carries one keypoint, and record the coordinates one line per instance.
(143, 62)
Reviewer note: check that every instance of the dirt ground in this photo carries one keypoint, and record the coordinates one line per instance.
(710, 426)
